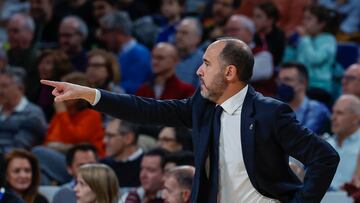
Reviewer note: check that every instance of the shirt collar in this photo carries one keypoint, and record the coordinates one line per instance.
(128, 45)
(22, 104)
(135, 155)
(234, 102)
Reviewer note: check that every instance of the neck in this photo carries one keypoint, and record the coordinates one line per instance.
(161, 79)
(296, 102)
(128, 151)
(184, 52)
(174, 19)
(342, 136)
(268, 29)
(230, 91)
(10, 106)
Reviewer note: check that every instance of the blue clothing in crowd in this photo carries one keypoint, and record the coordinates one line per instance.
(348, 152)
(187, 67)
(135, 65)
(313, 115)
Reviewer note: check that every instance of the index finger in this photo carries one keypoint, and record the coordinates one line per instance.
(50, 83)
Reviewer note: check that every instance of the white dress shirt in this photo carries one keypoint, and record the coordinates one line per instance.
(235, 185)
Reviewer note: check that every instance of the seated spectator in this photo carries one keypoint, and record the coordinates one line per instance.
(52, 65)
(96, 183)
(187, 42)
(165, 84)
(243, 28)
(74, 122)
(351, 80)
(171, 10)
(6, 195)
(151, 178)
(23, 175)
(346, 139)
(72, 34)
(350, 14)
(179, 158)
(123, 154)
(178, 184)
(47, 24)
(22, 123)
(174, 139)
(103, 70)
(76, 157)
(22, 52)
(316, 48)
(293, 80)
(268, 34)
(133, 57)
(221, 10)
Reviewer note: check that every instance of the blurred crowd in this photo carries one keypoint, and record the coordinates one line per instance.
(306, 54)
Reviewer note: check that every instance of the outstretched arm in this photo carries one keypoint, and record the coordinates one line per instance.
(66, 91)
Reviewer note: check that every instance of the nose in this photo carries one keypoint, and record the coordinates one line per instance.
(199, 71)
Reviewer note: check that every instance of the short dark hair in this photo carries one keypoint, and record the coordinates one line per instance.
(270, 9)
(180, 2)
(184, 175)
(301, 69)
(162, 153)
(183, 136)
(130, 127)
(70, 155)
(239, 56)
(16, 74)
(330, 17)
(180, 158)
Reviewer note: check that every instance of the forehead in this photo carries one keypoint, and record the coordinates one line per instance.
(288, 72)
(151, 161)
(84, 155)
(171, 182)
(19, 161)
(353, 70)
(167, 132)
(214, 50)
(342, 105)
(113, 126)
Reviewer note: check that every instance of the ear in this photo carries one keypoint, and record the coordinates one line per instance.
(230, 73)
(186, 195)
(128, 138)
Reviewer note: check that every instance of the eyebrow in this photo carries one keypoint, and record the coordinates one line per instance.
(205, 60)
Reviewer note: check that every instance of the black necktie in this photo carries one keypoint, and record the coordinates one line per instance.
(214, 155)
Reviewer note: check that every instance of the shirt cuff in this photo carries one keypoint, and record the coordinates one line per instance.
(97, 97)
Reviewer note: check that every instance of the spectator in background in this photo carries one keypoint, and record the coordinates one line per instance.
(292, 85)
(346, 139)
(96, 183)
(187, 42)
(178, 184)
(221, 10)
(174, 139)
(52, 65)
(123, 154)
(103, 70)
(151, 178)
(350, 15)
(74, 122)
(6, 195)
(22, 52)
(133, 57)
(165, 84)
(47, 24)
(171, 10)
(22, 123)
(103, 7)
(316, 48)
(351, 80)
(76, 157)
(243, 28)
(72, 34)
(23, 175)
(291, 12)
(268, 34)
